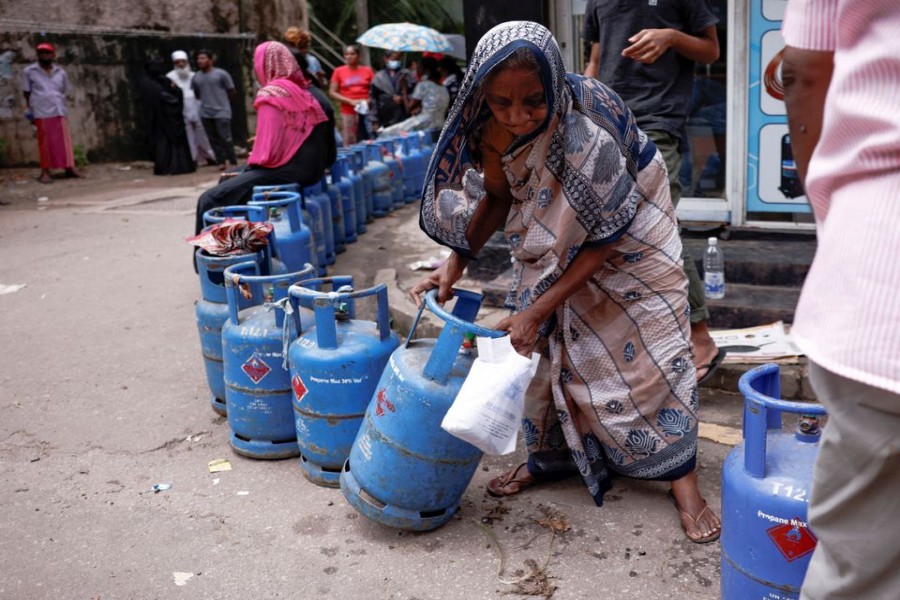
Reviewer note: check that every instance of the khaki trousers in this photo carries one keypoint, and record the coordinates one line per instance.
(854, 508)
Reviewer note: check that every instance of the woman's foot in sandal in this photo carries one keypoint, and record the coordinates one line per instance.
(699, 523)
(512, 482)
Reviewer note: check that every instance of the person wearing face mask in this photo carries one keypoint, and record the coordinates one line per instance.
(182, 75)
(45, 85)
(388, 93)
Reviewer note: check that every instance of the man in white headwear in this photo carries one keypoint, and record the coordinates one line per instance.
(181, 75)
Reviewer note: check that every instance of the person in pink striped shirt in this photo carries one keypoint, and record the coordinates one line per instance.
(841, 74)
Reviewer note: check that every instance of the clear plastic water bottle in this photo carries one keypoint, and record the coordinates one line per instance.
(714, 271)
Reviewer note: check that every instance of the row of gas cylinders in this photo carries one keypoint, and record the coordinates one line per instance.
(302, 376)
(298, 374)
(314, 223)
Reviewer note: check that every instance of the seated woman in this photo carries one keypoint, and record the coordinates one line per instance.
(427, 104)
(598, 285)
(294, 133)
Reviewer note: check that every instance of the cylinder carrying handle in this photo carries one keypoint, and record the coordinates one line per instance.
(256, 214)
(289, 200)
(458, 323)
(324, 304)
(280, 284)
(278, 187)
(761, 388)
(316, 284)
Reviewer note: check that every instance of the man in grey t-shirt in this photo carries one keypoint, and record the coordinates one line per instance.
(646, 52)
(215, 90)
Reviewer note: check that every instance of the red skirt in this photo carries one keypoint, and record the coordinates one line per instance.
(54, 143)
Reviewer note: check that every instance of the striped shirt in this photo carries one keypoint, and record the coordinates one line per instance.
(848, 318)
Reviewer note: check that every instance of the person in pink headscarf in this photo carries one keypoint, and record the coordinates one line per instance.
(294, 132)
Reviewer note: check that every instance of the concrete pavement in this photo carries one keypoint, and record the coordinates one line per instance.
(102, 395)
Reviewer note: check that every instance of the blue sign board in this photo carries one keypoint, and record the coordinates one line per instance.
(773, 185)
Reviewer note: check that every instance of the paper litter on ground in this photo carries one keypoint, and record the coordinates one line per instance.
(729, 436)
(218, 465)
(430, 263)
(765, 343)
(9, 289)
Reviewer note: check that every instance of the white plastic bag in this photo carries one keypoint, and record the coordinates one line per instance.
(487, 411)
(362, 108)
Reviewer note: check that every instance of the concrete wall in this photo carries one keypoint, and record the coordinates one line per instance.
(105, 116)
(262, 17)
(103, 46)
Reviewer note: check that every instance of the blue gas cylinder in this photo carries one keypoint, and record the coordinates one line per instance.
(398, 192)
(340, 176)
(314, 197)
(308, 219)
(337, 213)
(257, 380)
(293, 237)
(335, 366)
(404, 471)
(382, 190)
(360, 162)
(414, 173)
(211, 312)
(766, 480)
(426, 142)
(312, 206)
(354, 175)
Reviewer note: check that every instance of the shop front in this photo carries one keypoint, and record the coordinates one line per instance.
(737, 164)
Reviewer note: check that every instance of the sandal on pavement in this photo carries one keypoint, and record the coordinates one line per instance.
(711, 366)
(696, 521)
(511, 482)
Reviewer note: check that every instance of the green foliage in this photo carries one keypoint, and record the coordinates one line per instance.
(340, 17)
(3, 146)
(430, 13)
(81, 159)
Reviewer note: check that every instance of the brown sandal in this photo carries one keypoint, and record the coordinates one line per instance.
(510, 483)
(696, 521)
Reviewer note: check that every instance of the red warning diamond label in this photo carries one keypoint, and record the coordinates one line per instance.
(299, 389)
(256, 368)
(382, 403)
(794, 540)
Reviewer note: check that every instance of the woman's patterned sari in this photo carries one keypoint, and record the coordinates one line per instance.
(622, 395)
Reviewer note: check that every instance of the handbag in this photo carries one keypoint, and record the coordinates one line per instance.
(488, 408)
